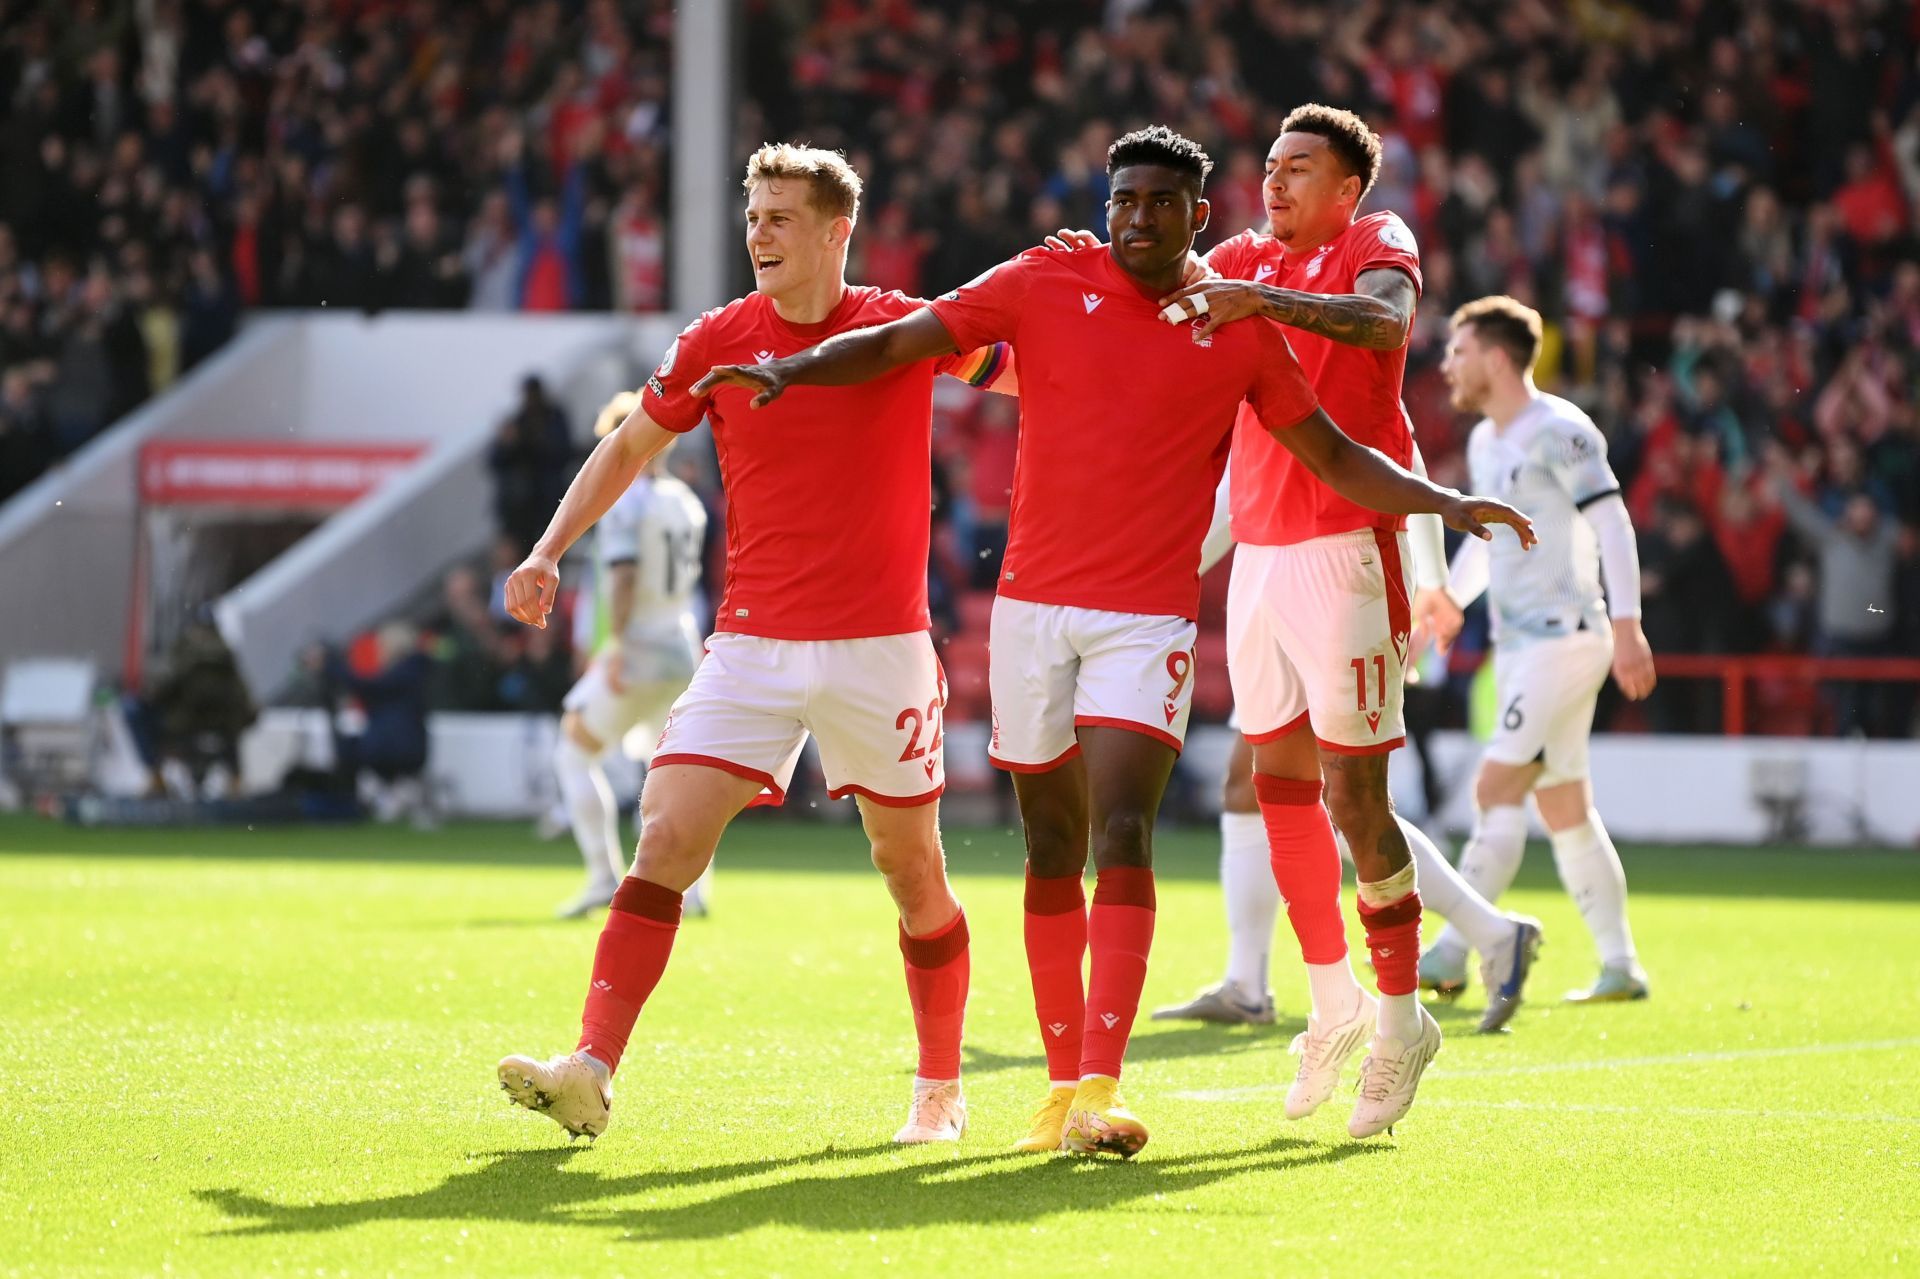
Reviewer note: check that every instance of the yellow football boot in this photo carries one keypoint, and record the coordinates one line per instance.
(1098, 1120)
(1048, 1120)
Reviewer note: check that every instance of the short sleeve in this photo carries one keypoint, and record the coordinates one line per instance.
(1281, 394)
(1230, 259)
(668, 397)
(1576, 453)
(1387, 242)
(987, 309)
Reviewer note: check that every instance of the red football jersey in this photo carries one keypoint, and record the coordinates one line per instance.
(829, 488)
(1276, 499)
(1125, 422)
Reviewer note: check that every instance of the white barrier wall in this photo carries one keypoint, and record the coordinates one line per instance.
(1651, 789)
(67, 543)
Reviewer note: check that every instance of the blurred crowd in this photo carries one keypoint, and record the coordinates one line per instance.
(165, 164)
(1712, 201)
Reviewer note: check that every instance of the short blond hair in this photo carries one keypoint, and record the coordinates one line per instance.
(834, 185)
(618, 410)
(1507, 323)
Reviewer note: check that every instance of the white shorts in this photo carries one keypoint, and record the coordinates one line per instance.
(653, 673)
(1547, 689)
(1053, 669)
(1317, 633)
(876, 707)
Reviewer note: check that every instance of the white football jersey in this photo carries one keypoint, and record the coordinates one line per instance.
(1550, 462)
(659, 526)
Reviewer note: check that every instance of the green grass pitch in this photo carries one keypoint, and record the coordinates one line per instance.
(271, 1053)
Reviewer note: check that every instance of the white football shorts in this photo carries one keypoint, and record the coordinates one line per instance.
(876, 707)
(1317, 633)
(1547, 689)
(1053, 669)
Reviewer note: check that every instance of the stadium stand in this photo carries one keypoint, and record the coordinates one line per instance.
(1713, 205)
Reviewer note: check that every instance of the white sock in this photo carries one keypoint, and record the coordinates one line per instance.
(1444, 892)
(1487, 865)
(1590, 869)
(591, 811)
(1253, 901)
(1336, 993)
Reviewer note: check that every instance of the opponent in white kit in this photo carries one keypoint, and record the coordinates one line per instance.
(647, 552)
(1555, 634)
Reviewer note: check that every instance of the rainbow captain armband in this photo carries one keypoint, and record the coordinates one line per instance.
(980, 367)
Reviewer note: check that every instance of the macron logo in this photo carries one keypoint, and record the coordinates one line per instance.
(1262, 273)
(761, 357)
(1058, 1028)
(1093, 301)
(1109, 1018)
(603, 984)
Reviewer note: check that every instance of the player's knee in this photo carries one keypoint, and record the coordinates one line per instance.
(1565, 806)
(1499, 785)
(1236, 793)
(1056, 843)
(670, 844)
(1125, 838)
(903, 858)
(1358, 803)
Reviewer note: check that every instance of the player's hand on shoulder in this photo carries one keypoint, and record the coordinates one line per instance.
(1064, 240)
(762, 378)
(1435, 613)
(531, 589)
(1471, 514)
(1632, 659)
(1220, 301)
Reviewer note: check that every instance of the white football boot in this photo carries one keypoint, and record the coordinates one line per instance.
(1323, 1051)
(572, 1091)
(1389, 1077)
(938, 1113)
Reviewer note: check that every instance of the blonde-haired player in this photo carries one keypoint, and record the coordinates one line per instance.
(1555, 634)
(647, 553)
(821, 630)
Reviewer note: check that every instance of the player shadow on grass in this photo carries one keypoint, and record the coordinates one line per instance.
(537, 1187)
(512, 1185)
(987, 1189)
(1152, 1045)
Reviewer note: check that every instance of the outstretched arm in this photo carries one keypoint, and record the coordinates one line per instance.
(841, 360)
(1370, 478)
(1377, 315)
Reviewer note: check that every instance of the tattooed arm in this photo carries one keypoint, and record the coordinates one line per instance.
(1377, 316)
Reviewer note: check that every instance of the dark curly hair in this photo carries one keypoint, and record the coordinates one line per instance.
(1161, 145)
(1347, 135)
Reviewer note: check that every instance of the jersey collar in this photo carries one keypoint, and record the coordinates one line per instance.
(811, 333)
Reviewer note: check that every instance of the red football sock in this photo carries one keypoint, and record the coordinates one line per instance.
(633, 950)
(937, 972)
(1120, 933)
(1306, 864)
(1393, 935)
(1056, 928)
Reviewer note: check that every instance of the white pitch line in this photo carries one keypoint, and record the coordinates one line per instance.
(1691, 1112)
(1604, 1063)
